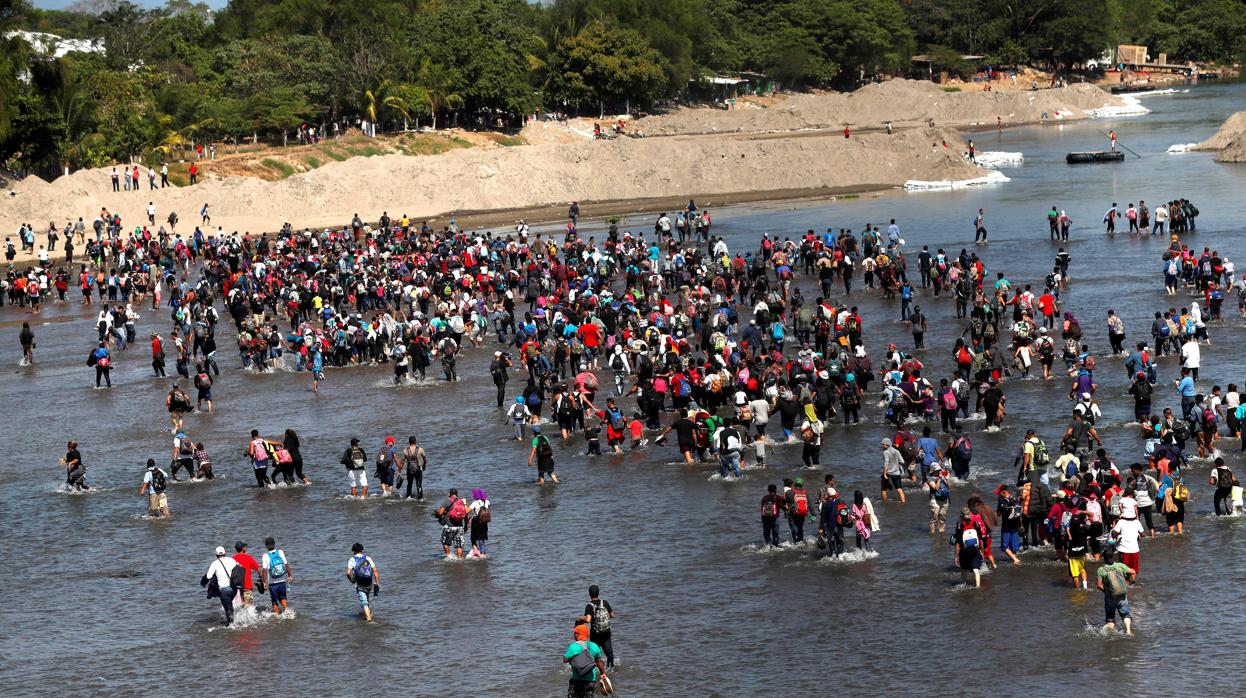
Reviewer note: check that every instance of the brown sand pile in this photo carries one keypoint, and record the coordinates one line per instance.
(517, 177)
(903, 102)
(1230, 140)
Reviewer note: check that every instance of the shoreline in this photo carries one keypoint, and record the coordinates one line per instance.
(501, 221)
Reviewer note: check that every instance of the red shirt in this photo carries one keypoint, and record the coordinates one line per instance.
(249, 564)
(590, 334)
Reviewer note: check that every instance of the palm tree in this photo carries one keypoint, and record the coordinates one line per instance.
(385, 98)
(435, 80)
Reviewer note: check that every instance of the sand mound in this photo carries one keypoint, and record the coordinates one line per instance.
(1230, 140)
(517, 177)
(544, 132)
(903, 102)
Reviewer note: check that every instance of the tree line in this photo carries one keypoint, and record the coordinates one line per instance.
(183, 73)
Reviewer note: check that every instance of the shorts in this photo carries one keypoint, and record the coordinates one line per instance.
(363, 595)
(1113, 605)
(892, 482)
(277, 592)
(1077, 566)
(686, 448)
(544, 468)
(1131, 560)
(1010, 540)
(204, 394)
(387, 475)
(452, 537)
(970, 559)
(358, 478)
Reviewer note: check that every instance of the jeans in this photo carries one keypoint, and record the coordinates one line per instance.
(796, 524)
(770, 530)
(729, 462)
(1113, 605)
(227, 595)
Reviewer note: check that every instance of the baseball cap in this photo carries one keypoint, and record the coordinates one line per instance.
(389, 439)
(220, 551)
(239, 545)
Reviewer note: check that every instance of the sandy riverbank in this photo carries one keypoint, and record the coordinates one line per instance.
(905, 103)
(792, 149)
(524, 177)
(1229, 142)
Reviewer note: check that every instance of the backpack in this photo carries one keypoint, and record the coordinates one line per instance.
(238, 576)
(843, 515)
(802, 502)
(157, 479)
(616, 362)
(601, 617)
(363, 571)
(964, 449)
(1181, 492)
(458, 511)
(949, 400)
(202, 381)
(1115, 584)
(854, 325)
(276, 566)
(543, 447)
(770, 508)
(1209, 420)
(1041, 456)
(684, 389)
(963, 356)
(582, 664)
(969, 537)
(1224, 477)
(1114, 504)
(183, 447)
(942, 491)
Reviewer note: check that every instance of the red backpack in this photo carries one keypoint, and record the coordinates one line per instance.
(802, 502)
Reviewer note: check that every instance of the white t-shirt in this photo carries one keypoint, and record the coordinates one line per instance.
(1190, 354)
(1127, 532)
(477, 505)
(221, 567)
(267, 562)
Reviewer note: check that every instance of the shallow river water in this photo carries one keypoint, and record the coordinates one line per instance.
(104, 601)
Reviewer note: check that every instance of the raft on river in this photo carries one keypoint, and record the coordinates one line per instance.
(1096, 156)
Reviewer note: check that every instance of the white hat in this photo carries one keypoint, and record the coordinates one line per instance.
(220, 551)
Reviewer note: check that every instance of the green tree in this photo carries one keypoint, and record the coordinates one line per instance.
(437, 87)
(608, 66)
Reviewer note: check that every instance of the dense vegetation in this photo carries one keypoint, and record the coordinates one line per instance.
(262, 67)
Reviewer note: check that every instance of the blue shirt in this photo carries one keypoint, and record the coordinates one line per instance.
(1186, 387)
(929, 448)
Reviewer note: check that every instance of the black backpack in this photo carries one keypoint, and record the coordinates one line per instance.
(157, 479)
(543, 447)
(1224, 477)
(238, 576)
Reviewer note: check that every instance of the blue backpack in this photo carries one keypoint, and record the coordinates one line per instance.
(363, 571)
(276, 567)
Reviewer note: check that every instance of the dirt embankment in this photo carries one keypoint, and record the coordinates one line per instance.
(512, 178)
(1229, 140)
(903, 102)
(780, 147)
